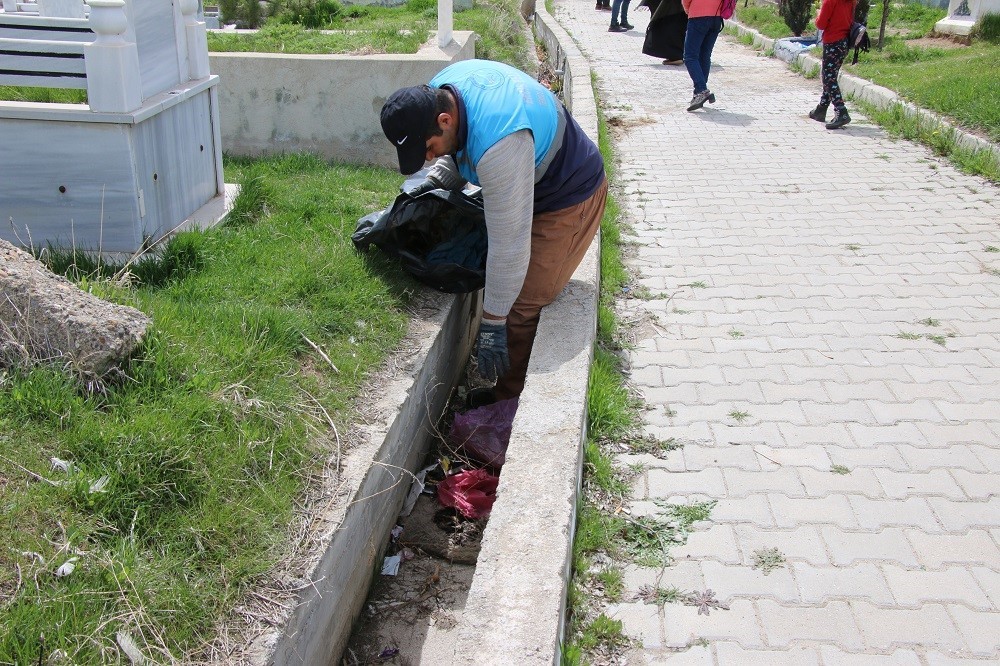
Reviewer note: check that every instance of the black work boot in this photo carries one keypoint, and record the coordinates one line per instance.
(839, 120)
(819, 113)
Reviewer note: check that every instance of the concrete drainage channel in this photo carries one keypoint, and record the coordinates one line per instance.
(514, 610)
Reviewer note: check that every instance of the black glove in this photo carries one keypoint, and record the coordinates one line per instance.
(491, 349)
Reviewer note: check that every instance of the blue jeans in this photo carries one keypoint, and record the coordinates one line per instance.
(623, 6)
(699, 40)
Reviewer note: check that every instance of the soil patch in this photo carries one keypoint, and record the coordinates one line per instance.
(935, 43)
(409, 617)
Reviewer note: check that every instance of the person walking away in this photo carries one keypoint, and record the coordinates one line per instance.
(703, 28)
(543, 185)
(624, 25)
(834, 19)
(665, 32)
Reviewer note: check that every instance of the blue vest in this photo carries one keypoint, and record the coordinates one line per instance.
(497, 100)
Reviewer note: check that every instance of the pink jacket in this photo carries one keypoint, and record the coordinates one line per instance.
(698, 8)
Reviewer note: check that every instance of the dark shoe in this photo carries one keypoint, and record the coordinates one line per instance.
(627, 26)
(673, 62)
(839, 120)
(711, 98)
(480, 397)
(819, 113)
(615, 27)
(699, 100)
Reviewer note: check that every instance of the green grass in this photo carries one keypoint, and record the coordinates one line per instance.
(762, 17)
(370, 29)
(205, 442)
(53, 95)
(290, 38)
(961, 83)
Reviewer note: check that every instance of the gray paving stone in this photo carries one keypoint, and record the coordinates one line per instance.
(832, 623)
(739, 624)
(732, 653)
(900, 485)
(696, 655)
(953, 584)
(784, 480)
(833, 656)
(978, 486)
(980, 629)
(716, 543)
(881, 513)
(753, 509)
(684, 575)
(819, 584)
(888, 628)
(640, 621)
(849, 546)
(801, 543)
(960, 516)
(833, 509)
(862, 480)
(989, 581)
(708, 481)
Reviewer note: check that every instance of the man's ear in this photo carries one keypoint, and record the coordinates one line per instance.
(445, 120)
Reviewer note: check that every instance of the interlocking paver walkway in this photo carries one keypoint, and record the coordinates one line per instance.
(839, 289)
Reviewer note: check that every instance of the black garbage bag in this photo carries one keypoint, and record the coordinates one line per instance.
(439, 236)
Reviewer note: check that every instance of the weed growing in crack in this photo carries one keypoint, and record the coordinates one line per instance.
(992, 248)
(733, 333)
(930, 321)
(697, 284)
(659, 595)
(605, 632)
(612, 582)
(739, 416)
(839, 469)
(653, 445)
(767, 560)
(909, 336)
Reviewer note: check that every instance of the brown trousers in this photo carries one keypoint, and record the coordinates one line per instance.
(559, 240)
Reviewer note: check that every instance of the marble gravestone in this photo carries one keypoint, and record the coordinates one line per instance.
(141, 159)
(963, 15)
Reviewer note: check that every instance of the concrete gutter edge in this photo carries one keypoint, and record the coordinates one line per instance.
(878, 96)
(368, 492)
(516, 607)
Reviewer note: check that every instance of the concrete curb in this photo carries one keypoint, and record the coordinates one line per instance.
(878, 96)
(368, 493)
(516, 607)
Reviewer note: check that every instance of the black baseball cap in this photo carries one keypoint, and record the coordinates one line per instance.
(406, 117)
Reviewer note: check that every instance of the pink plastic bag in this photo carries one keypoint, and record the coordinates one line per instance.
(484, 433)
(472, 492)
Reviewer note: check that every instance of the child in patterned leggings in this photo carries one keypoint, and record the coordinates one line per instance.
(834, 19)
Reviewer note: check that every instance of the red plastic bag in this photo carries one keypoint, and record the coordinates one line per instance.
(472, 492)
(484, 433)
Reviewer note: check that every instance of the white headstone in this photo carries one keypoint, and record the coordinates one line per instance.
(963, 14)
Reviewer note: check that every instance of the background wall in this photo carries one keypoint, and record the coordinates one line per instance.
(323, 104)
